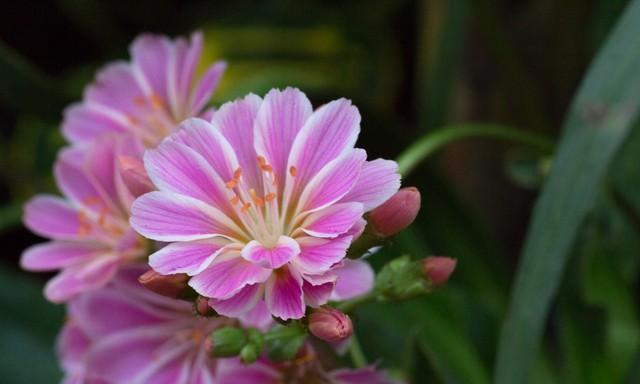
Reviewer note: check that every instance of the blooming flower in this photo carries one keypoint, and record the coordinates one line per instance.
(90, 232)
(124, 333)
(147, 97)
(263, 202)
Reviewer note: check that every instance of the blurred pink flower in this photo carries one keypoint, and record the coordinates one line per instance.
(263, 202)
(90, 229)
(147, 97)
(306, 368)
(124, 333)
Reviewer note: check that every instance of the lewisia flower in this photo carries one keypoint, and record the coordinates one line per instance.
(90, 232)
(124, 333)
(263, 202)
(147, 97)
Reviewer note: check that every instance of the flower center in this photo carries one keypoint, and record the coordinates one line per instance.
(259, 207)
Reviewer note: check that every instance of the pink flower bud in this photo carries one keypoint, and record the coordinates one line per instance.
(134, 175)
(330, 325)
(397, 213)
(438, 269)
(165, 285)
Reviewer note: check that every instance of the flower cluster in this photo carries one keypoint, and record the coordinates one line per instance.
(186, 232)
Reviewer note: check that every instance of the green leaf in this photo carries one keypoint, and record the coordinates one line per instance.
(28, 326)
(599, 120)
(435, 324)
(436, 140)
(23, 88)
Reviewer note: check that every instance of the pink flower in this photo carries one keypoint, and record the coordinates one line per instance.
(90, 232)
(147, 97)
(263, 202)
(124, 333)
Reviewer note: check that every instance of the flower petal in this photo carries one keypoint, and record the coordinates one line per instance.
(226, 276)
(175, 167)
(79, 185)
(280, 118)
(58, 254)
(202, 137)
(115, 87)
(333, 220)
(106, 311)
(189, 257)
(318, 255)
(283, 294)
(355, 278)
(52, 217)
(151, 55)
(124, 356)
(332, 182)
(83, 123)
(166, 216)
(79, 278)
(327, 133)
(207, 84)
(378, 181)
(317, 295)
(188, 63)
(274, 257)
(235, 121)
(240, 303)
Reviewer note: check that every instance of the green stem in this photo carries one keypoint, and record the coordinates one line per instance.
(355, 351)
(433, 141)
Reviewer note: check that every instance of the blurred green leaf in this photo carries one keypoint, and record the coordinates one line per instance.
(598, 122)
(436, 140)
(434, 324)
(28, 326)
(440, 42)
(24, 89)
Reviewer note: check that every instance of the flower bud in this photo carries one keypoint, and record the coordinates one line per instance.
(202, 307)
(228, 341)
(397, 213)
(165, 285)
(330, 325)
(134, 176)
(249, 353)
(438, 269)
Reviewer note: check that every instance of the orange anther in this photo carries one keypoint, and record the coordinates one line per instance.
(237, 174)
(245, 207)
(261, 161)
(156, 100)
(266, 168)
(270, 196)
(258, 202)
(231, 184)
(293, 170)
(139, 101)
(234, 200)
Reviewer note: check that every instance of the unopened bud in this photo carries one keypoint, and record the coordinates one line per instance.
(228, 341)
(329, 324)
(438, 269)
(165, 285)
(202, 307)
(134, 175)
(397, 213)
(249, 353)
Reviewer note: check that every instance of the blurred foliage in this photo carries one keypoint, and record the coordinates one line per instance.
(414, 68)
